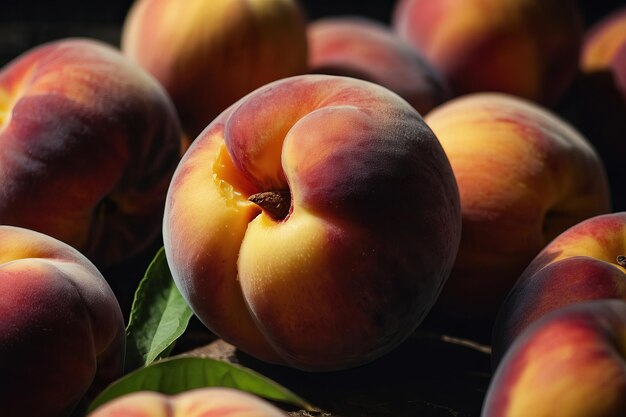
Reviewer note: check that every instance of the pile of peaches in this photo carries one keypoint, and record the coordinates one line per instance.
(320, 186)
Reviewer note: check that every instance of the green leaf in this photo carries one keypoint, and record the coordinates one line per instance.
(158, 317)
(175, 375)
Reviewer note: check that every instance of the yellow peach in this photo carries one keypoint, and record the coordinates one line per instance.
(200, 402)
(314, 222)
(527, 48)
(524, 175)
(209, 54)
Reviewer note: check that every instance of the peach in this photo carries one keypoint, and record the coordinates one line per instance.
(602, 42)
(570, 363)
(62, 332)
(314, 222)
(585, 262)
(208, 54)
(366, 49)
(199, 402)
(524, 176)
(598, 104)
(528, 48)
(89, 144)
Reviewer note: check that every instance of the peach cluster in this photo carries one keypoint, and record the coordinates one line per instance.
(558, 340)
(558, 337)
(319, 188)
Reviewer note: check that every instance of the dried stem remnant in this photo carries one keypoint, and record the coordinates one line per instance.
(276, 203)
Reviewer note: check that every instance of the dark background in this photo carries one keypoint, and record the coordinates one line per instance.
(424, 376)
(25, 23)
(113, 11)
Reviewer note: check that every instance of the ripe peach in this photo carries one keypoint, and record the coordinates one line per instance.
(585, 262)
(570, 363)
(598, 104)
(61, 329)
(200, 402)
(314, 222)
(603, 41)
(369, 50)
(89, 145)
(208, 54)
(527, 48)
(524, 176)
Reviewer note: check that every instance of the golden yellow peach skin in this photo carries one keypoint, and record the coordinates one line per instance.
(524, 176)
(314, 222)
(585, 262)
(209, 54)
(570, 363)
(201, 402)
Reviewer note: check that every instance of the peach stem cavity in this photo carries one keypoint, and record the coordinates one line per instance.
(275, 203)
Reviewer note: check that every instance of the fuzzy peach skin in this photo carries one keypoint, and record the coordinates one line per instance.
(571, 363)
(365, 239)
(62, 332)
(89, 144)
(201, 402)
(586, 262)
(528, 48)
(209, 54)
(366, 49)
(524, 176)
